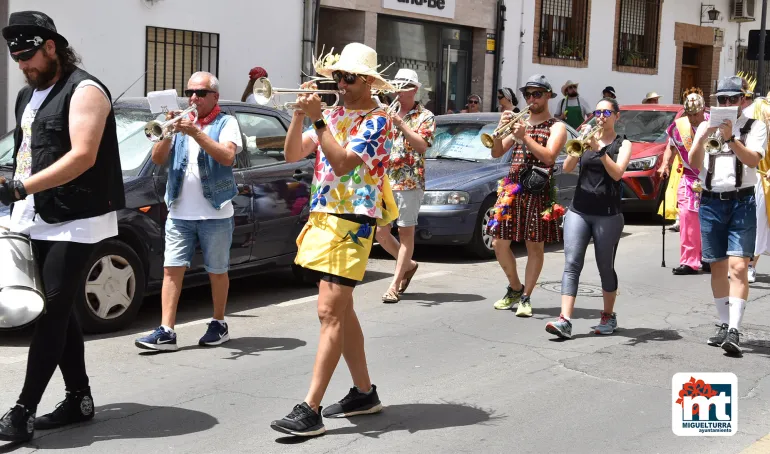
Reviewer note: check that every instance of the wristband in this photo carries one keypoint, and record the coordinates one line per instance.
(319, 124)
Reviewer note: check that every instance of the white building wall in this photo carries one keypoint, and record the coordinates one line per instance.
(631, 88)
(110, 37)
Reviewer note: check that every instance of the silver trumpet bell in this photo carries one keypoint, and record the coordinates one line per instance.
(264, 93)
(714, 144)
(157, 131)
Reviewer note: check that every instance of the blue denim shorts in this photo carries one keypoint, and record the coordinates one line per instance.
(215, 237)
(728, 227)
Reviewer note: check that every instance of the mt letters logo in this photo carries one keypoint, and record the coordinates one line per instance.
(704, 404)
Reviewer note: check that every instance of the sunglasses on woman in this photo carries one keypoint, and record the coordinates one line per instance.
(349, 79)
(25, 54)
(603, 113)
(472, 101)
(198, 93)
(732, 99)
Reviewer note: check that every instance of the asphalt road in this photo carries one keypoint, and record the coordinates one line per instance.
(454, 374)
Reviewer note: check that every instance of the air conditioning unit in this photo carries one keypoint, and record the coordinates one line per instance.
(742, 10)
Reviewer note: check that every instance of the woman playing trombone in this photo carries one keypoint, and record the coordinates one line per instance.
(595, 213)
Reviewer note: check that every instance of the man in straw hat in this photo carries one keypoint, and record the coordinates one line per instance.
(573, 109)
(685, 186)
(728, 215)
(525, 209)
(651, 98)
(67, 185)
(406, 169)
(352, 146)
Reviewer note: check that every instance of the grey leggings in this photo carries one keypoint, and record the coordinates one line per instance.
(578, 231)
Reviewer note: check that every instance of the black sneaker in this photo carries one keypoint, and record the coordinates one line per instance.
(17, 425)
(77, 406)
(302, 422)
(732, 344)
(355, 403)
(719, 338)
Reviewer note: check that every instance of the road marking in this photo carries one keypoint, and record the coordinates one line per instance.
(303, 300)
(760, 446)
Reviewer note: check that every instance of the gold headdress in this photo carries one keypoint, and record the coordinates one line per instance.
(693, 101)
(751, 81)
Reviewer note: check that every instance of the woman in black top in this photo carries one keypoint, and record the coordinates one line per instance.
(595, 213)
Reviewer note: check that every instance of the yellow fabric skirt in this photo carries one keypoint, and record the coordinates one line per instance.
(672, 190)
(325, 245)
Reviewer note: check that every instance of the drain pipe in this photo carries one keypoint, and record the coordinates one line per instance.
(520, 69)
(309, 36)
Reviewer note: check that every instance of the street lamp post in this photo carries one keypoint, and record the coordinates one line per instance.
(761, 55)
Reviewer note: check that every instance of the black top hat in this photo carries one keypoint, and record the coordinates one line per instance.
(32, 23)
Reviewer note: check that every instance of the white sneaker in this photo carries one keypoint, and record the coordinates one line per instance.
(752, 274)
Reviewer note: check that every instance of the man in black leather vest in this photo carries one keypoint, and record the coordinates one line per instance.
(66, 187)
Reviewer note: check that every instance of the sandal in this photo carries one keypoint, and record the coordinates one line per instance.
(390, 297)
(407, 278)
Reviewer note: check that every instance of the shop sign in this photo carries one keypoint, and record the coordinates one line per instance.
(490, 43)
(440, 8)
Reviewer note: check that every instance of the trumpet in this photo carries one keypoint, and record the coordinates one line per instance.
(505, 130)
(394, 107)
(714, 143)
(264, 92)
(576, 147)
(157, 131)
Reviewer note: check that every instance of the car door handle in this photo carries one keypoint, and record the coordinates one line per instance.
(300, 175)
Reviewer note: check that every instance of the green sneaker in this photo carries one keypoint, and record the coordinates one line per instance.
(525, 307)
(511, 297)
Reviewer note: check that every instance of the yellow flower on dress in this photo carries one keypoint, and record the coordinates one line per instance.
(341, 128)
(341, 199)
(370, 179)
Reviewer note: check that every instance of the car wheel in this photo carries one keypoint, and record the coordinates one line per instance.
(481, 244)
(111, 289)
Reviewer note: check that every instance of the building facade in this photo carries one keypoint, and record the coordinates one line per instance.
(636, 46)
(169, 39)
(449, 43)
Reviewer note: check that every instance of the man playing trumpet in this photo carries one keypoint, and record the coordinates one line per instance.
(524, 204)
(199, 210)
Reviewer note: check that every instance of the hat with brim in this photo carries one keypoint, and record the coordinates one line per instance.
(538, 81)
(355, 58)
(568, 84)
(610, 90)
(730, 86)
(406, 77)
(651, 95)
(29, 24)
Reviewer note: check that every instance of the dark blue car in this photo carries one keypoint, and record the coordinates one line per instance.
(270, 209)
(461, 183)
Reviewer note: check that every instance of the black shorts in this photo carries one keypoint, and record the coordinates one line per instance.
(317, 276)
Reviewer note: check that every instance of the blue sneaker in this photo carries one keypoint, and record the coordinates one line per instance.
(217, 334)
(160, 339)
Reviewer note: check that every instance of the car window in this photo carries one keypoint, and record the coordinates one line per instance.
(461, 140)
(6, 150)
(263, 138)
(643, 125)
(134, 146)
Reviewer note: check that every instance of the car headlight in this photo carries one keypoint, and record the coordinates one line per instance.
(446, 198)
(640, 164)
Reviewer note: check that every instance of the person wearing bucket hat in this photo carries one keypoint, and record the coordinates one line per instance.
(67, 185)
(686, 191)
(525, 209)
(255, 74)
(573, 108)
(351, 196)
(414, 127)
(728, 215)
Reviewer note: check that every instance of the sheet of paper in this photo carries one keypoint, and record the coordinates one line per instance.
(720, 114)
(162, 101)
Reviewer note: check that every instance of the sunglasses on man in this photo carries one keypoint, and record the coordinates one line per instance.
(533, 94)
(199, 93)
(25, 55)
(733, 99)
(349, 79)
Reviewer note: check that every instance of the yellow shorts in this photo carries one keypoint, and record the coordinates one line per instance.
(325, 245)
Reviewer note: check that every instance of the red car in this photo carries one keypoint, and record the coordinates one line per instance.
(645, 126)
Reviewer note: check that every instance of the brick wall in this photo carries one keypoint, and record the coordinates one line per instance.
(708, 66)
(536, 58)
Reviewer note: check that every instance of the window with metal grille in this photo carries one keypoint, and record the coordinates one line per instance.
(638, 33)
(563, 29)
(174, 55)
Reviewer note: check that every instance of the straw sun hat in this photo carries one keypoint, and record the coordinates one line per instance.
(355, 58)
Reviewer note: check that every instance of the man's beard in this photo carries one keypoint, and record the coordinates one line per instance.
(44, 76)
(573, 95)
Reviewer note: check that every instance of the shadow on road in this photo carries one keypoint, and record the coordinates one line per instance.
(636, 336)
(435, 299)
(411, 418)
(253, 346)
(123, 421)
(579, 313)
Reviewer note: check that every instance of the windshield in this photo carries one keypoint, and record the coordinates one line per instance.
(643, 125)
(134, 145)
(461, 141)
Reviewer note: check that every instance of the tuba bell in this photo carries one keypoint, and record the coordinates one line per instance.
(504, 130)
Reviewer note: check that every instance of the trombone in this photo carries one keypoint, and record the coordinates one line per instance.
(504, 130)
(576, 147)
(264, 92)
(157, 131)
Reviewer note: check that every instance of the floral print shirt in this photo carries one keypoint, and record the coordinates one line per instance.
(368, 133)
(407, 167)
